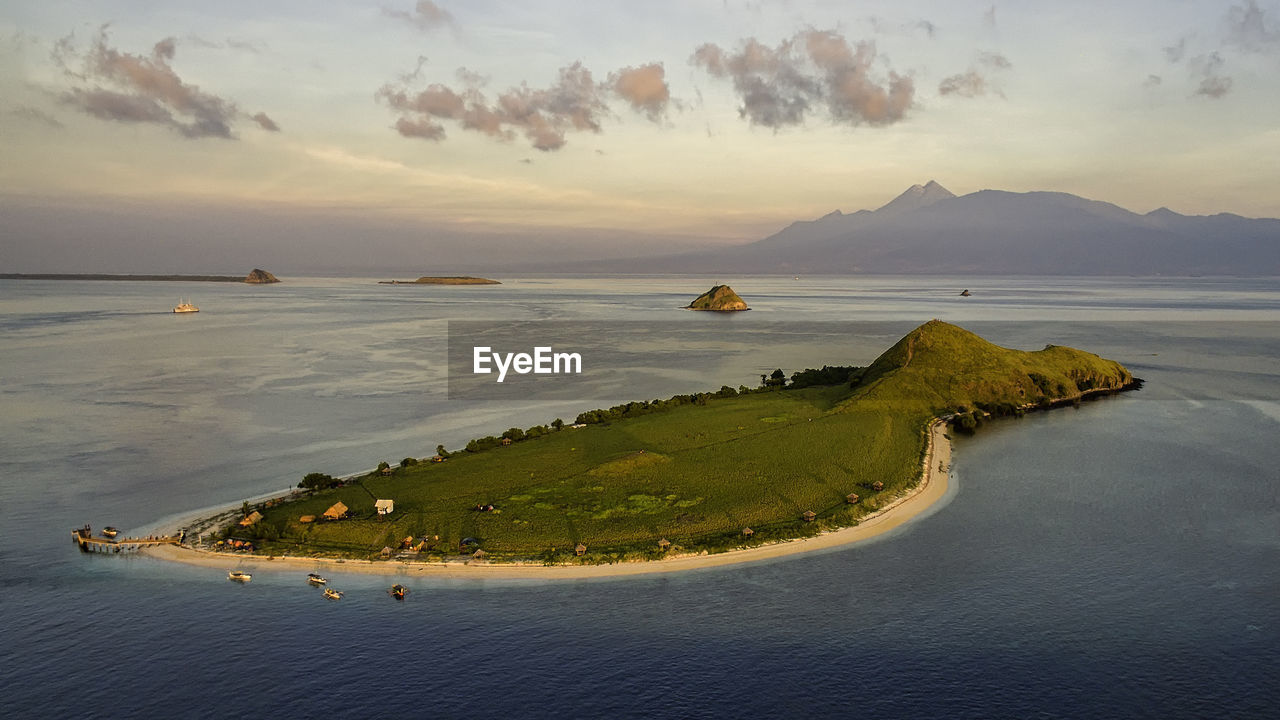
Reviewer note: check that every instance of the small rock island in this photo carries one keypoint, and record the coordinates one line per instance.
(720, 298)
(451, 280)
(261, 277)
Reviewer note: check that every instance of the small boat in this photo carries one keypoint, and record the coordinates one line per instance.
(398, 591)
(238, 576)
(315, 579)
(185, 307)
(332, 594)
(109, 532)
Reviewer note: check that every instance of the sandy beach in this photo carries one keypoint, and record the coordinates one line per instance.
(931, 488)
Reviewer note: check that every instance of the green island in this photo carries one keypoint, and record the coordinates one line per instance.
(647, 480)
(452, 280)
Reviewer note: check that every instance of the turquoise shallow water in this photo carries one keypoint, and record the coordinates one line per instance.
(1120, 559)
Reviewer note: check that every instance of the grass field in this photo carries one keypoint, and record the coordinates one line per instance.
(697, 474)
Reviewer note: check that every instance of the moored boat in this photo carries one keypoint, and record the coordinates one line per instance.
(315, 579)
(398, 591)
(239, 576)
(109, 532)
(185, 307)
(332, 594)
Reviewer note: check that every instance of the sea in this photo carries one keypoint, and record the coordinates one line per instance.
(1116, 559)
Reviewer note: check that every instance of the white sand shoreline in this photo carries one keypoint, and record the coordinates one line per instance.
(931, 488)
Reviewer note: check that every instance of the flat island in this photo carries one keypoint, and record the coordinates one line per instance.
(454, 280)
(255, 277)
(827, 456)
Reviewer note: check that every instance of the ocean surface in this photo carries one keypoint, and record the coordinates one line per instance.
(1120, 559)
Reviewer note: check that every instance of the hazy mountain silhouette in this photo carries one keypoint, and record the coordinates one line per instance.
(927, 229)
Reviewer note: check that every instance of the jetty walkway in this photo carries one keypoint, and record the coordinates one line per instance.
(88, 543)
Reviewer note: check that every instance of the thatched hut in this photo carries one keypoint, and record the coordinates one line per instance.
(748, 532)
(479, 556)
(386, 471)
(384, 507)
(580, 550)
(307, 519)
(436, 458)
(852, 498)
(251, 518)
(336, 511)
(809, 516)
(506, 441)
(877, 486)
(386, 553)
(664, 544)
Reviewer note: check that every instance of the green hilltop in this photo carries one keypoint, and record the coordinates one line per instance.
(695, 470)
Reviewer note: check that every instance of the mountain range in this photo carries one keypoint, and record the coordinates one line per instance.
(928, 229)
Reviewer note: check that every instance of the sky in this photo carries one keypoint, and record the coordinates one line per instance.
(157, 135)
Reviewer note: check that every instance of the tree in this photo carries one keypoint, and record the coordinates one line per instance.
(557, 423)
(408, 462)
(318, 481)
(441, 451)
(776, 379)
(514, 434)
(244, 509)
(384, 465)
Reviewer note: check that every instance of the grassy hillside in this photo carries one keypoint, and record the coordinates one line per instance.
(698, 473)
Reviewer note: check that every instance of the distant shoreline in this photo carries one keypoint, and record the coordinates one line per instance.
(136, 278)
(932, 487)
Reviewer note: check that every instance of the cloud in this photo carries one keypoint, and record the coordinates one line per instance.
(545, 116)
(989, 17)
(1152, 81)
(976, 81)
(812, 69)
(1208, 69)
(123, 87)
(883, 27)
(26, 112)
(1247, 29)
(426, 15)
(265, 122)
(1175, 53)
(645, 87)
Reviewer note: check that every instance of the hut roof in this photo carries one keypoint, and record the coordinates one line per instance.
(384, 507)
(809, 514)
(664, 543)
(336, 510)
(251, 518)
(580, 549)
(307, 518)
(479, 554)
(748, 531)
(386, 552)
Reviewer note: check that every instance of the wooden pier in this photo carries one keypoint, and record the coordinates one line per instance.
(88, 543)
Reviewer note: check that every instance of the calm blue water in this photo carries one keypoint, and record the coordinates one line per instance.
(1120, 559)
